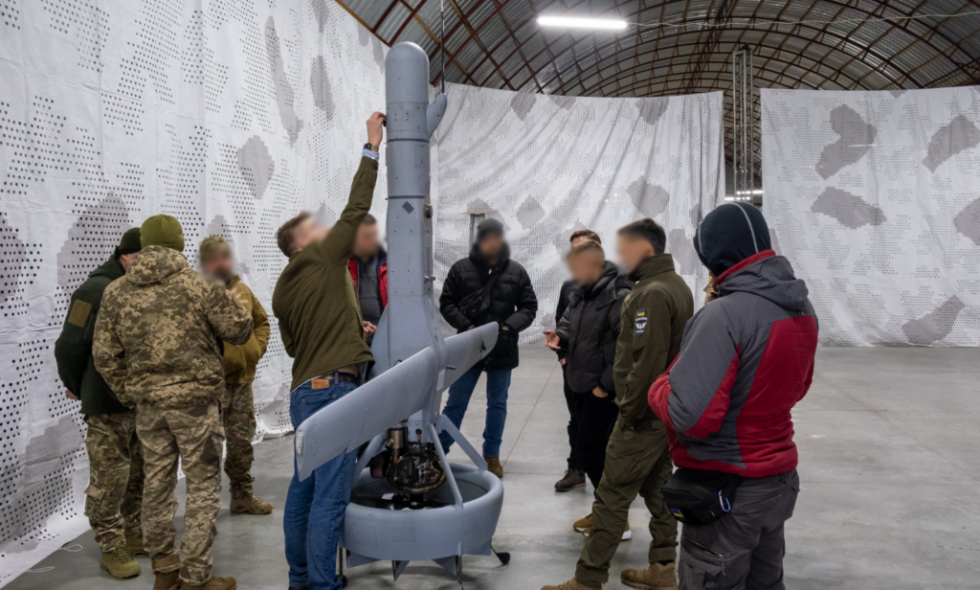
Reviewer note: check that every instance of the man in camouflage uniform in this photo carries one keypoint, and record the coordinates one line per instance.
(157, 346)
(237, 409)
(114, 496)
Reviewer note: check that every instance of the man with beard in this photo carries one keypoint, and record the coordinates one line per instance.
(512, 304)
(237, 407)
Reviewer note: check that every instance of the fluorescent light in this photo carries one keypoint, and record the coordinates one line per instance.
(582, 23)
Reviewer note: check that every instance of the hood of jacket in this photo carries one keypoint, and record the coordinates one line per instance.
(110, 269)
(478, 259)
(154, 264)
(768, 276)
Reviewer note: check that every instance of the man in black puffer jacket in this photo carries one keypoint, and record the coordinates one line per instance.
(587, 335)
(513, 306)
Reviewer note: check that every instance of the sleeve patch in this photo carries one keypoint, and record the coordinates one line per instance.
(640, 323)
(79, 313)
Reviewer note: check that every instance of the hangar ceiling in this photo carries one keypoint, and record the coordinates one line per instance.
(686, 46)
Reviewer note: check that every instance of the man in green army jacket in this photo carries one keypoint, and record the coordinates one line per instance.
(637, 456)
(237, 405)
(114, 496)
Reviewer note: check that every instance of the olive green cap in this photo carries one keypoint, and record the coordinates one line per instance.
(213, 246)
(130, 242)
(162, 230)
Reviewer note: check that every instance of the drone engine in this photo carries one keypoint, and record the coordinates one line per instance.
(412, 467)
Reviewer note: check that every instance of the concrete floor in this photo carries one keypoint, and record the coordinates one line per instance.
(888, 457)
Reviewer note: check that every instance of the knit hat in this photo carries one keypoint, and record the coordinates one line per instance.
(213, 246)
(162, 230)
(487, 227)
(730, 234)
(130, 242)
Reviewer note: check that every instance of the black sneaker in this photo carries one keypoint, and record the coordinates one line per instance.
(573, 479)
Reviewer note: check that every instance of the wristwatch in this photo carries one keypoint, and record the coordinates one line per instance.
(371, 147)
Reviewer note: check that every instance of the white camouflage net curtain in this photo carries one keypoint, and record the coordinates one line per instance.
(231, 115)
(875, 198)
(549, 165)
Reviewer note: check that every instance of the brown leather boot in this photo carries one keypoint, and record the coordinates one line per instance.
(214, 583)
(654, 577)
(571, 585)
(169, 580)
(494, 466)
(572, 479)
(249, 504)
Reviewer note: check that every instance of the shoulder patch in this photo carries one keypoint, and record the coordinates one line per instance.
(640, 323)
(79, 313)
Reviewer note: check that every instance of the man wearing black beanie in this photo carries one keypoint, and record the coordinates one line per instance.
(745, 361)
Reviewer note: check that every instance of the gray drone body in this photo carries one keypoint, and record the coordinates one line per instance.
(414, 364)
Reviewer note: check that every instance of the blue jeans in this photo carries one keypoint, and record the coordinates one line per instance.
(498, 384)
(315, 508)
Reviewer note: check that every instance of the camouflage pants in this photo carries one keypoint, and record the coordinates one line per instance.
(238, 417)
(114, 497)
(193, 436)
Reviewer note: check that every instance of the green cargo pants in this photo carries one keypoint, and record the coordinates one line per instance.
(637, 462)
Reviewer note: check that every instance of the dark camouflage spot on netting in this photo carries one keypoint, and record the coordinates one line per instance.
(320, 86)
(321, 13)
(850, 210)
(529, 213)
(649, 199)
(935, 325)
(651, 109)
(563, 102)
(682, 249)
(961, 134)
(967, 221)
(856, 138)
(256, 165)
(285, 95)
(522, 103)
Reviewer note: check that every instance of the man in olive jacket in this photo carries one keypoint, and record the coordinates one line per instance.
(114, 496)
(157, 344)
(322, 329)
(237, 406)
(637, 457)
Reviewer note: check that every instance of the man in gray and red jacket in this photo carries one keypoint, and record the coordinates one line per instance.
(746, 359)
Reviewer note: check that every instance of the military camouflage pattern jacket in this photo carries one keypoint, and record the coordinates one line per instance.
(156, 337)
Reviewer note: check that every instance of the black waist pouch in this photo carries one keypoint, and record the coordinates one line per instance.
(695, 496)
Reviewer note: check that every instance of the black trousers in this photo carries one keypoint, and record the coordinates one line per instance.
(574, 411)
(592, 422)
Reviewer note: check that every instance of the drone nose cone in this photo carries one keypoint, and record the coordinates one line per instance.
(407, 73)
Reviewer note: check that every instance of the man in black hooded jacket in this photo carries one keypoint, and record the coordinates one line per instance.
(513, 306)
(586, 335)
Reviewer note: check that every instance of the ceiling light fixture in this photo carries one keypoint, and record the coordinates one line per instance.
(582, 23)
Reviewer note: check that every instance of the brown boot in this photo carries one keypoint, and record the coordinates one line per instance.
(654, 577)
(134, 544)
(572, 479)
(214, 584)
(571, 585)
(120, 564)
(627, 534)
(494, 466)
(249, 504)
(583, 524)
(169, 580)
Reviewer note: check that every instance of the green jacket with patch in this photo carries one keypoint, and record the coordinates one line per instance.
(73, 349)
(652, 325)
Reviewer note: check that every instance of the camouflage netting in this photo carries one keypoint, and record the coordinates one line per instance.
(875, 199)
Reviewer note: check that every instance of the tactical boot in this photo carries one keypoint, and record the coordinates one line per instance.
(494, 466)
(213, 584)
(654, 577)
(120, 564)
(134, 544)
(573, 479)
(249, 504)
(583, 523)
(571, 585)
(169, 580)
